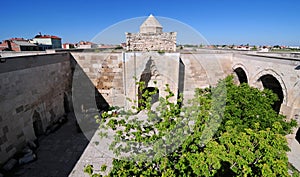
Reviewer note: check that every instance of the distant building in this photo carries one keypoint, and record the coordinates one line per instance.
(264, 49)
(5, 46)
(68, 46)
(85, 45)
(103, 46)
(17, 44)
(293, 47)
(242, 47)
(151, 38)
(47, 42)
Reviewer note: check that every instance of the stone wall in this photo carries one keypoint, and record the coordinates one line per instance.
(114, 73)
(152, 68)
(151, 42)
(203, 70)
(23, 53)
(32, 94)
(284, 70)
(105, 70)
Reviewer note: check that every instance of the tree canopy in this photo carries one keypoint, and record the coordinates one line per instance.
(220, 132)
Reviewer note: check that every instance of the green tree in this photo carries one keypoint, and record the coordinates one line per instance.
(234, 133)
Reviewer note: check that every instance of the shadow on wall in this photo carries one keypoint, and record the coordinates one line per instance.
(62, 138)
(86, 99)
(181, 78)
(150, 75)
(84, 102)
(146, 77)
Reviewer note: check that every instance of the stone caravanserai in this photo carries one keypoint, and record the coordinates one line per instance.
(151, 38)
(37, 90)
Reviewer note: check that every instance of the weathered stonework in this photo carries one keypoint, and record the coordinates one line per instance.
(105, 70)
(33, 89)
(113, 73)
(151, 38)
(200, 69)
(151, 42)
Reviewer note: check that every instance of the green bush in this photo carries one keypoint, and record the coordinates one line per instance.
(245, 136)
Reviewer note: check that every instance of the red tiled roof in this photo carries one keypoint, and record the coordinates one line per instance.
(17, 39)
(47, 36)
(85, 43)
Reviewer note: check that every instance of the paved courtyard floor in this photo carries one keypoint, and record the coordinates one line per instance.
(57, 153)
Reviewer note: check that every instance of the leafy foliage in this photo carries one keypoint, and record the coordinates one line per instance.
(218, 133)
(246, 105)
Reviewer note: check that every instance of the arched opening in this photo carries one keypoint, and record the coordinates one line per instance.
(298, 135)
(241, 75)
(270, 82)
(37, 124)
(154, 97)
(149, 73)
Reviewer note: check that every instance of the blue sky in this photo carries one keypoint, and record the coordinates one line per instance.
(258, 22)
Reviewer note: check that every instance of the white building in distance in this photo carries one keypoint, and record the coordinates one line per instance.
(47, 42)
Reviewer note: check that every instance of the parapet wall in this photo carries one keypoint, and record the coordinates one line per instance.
(114, 74)
(33, 90)
(151, 42)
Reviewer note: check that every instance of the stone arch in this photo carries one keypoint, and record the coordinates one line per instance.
(149, 73)
(241, 73)
(148, 76)
(256, 82)
(269, 79)
(37, 124)
(154, 97)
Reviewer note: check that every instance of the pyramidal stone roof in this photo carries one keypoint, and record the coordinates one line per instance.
(151, 25)
(151, 21)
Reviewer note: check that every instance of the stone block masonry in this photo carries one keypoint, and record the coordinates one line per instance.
(33, 88)
(151, 42)
(199, 69)
(32, 93)
(105, 70)
(151, 38)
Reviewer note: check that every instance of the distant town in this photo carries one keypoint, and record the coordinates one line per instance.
(43, 42)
